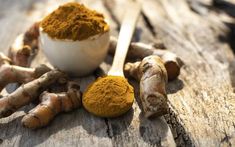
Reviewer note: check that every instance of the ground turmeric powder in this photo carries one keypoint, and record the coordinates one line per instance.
(109, 96)
(75, 22)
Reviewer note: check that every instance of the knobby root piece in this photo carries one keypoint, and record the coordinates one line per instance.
(25, 46)
(153, 78)
(31, 36)
(27, 93)
(20, 53)
(12, 73)
(140, 50)
(51, 105)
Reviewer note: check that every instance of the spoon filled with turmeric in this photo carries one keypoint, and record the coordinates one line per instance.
(112, 95)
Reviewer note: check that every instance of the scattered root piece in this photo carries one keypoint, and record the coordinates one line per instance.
(12, 73)
(140, 50)
(25, 46)
(31, 36)
(153, 78)
(27, 93)
(20, 53)
(51, 105)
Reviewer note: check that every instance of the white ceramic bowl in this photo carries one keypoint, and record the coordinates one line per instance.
(78, 58)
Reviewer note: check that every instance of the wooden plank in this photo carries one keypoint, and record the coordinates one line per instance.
(73, 129)
(153, 132)
(116, 8)
(201, 100)
(80, 128)
(203, 109)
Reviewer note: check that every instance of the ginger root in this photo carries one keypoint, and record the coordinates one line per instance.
(140, 50)
(25, 46)
(51, 105)
(152, 75)
(27, 93)
(12, 73)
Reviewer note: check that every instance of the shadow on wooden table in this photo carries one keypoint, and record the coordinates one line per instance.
(230, 38)
(158, 127)
(60, 127)
(174, 86)
(153, 131)
(115, 126)
(66, 127)
(228, 8)
(10, 124)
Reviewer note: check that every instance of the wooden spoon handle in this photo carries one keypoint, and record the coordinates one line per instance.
(124, 39)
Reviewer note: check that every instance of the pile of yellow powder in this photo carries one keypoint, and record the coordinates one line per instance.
(109, 96)
(74, 21)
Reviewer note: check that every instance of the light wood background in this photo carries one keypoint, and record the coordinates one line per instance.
(201, 100)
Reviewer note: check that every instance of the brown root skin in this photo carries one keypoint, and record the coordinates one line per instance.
(12, 73)
(51, 105)
(27, 93)
(140, 50)
(152, 75)
(25, 46)
(19, 53)
(31, 36)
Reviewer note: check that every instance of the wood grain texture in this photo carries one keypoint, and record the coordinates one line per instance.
(202, 102)
(132, 129)
(202, 112)
(80, 128)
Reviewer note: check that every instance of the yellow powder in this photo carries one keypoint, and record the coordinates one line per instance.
(109, 96)
(74, 21)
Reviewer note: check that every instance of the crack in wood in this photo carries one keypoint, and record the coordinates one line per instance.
(227, 139)
(108, 131)
(148, 24)
(197, 7)
(179, 133)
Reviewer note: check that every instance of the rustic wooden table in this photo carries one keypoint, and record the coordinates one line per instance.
(201, 100)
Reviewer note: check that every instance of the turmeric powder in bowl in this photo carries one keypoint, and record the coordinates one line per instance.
(74, 38)
(74, 21)
(109, 96)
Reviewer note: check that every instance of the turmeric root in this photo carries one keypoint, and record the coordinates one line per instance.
(27, 93)
(11, 73)
(20, 53)
(25, 46)
(140, 50)
(31, 36)
(52, 104)
(153, 78)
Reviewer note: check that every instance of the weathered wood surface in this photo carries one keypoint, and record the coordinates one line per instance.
(202, 102)
(204, 108)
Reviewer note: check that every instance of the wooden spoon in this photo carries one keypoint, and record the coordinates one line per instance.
(112, 95)
(124, 39)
